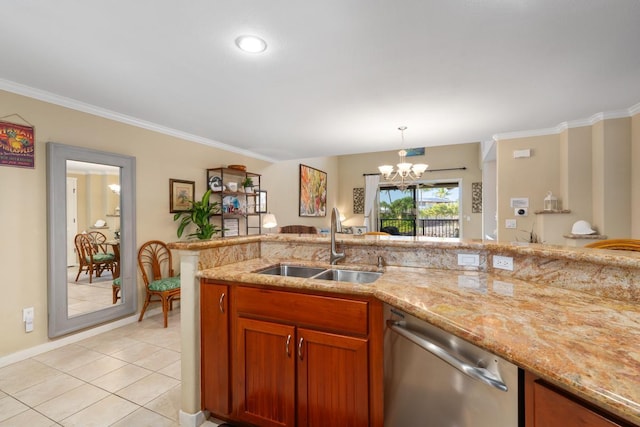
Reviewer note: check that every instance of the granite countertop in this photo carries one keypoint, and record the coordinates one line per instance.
(586, 344)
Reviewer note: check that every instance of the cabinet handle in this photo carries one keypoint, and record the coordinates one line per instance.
(221, 303)
(287, 345)
(300, 348)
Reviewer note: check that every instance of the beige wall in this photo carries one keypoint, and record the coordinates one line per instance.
(531, 178)
(281, 180)
(612, 177)
(588, 168)
(23, 254)
(353, 167)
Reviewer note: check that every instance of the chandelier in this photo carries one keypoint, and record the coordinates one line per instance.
(407, 173)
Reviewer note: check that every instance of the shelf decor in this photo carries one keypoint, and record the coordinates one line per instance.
(181, 193)
(313, 191)
(262, 202)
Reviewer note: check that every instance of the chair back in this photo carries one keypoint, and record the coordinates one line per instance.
(618, 244)
(82, 244)
(299, 229)
(155, 261)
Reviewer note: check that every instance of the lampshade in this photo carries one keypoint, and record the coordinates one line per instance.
(269, 221)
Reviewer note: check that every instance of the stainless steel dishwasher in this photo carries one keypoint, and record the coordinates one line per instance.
(434, 379)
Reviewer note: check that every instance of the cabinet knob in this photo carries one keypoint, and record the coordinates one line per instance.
(221, 303)
(300, 348)
(287, 345)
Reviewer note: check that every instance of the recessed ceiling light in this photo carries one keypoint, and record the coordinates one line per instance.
(251, 44)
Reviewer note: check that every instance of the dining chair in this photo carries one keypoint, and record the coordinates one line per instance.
(115, 289)
(618, 244)
(92, 254)
(161, 285)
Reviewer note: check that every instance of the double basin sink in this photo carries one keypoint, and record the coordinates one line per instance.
(338, 274)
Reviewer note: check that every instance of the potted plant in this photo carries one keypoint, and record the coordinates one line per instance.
(199, 215)
(247, 183)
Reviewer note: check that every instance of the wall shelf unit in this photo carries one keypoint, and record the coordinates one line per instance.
(238, 205)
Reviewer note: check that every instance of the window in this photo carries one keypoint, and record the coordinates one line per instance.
(426, 210)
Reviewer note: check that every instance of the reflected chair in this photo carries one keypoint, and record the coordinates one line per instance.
(115, 289)
(298, 229)
(161, 285)
(617, 244)
(92, 254)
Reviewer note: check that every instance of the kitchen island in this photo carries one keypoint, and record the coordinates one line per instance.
(570, 316)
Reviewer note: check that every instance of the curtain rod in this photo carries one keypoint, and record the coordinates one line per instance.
(463, 168)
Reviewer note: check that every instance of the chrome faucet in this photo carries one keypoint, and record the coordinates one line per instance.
(336, 227)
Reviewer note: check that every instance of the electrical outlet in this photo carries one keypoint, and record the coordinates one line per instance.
(503, 262)
(27, 318)
(472, 260)
(510, 223)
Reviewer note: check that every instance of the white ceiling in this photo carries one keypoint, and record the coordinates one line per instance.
(338, 77)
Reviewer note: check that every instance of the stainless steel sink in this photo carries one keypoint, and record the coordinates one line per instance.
(351, 276)
(292, 270)
(341, 275)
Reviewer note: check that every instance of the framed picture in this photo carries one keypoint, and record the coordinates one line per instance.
(313, 191)
(181, 193)
(262, 202)
(17, 147)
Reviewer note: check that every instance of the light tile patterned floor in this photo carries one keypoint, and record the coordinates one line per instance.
(129, 376)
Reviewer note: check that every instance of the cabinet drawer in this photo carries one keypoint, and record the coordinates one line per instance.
(320, 312)
(555, 409)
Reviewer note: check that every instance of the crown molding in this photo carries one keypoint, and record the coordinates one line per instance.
(634, 110)
(598, 117)
(73, 104)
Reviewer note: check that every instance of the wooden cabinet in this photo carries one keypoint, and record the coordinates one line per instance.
(306, 360)
(239, 213)
(264, 389)
(548, 406)
(332, 373)
(214, 327)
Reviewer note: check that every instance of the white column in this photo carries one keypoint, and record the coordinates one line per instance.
(190, 412)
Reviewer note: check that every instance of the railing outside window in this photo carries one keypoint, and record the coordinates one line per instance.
(445, 227)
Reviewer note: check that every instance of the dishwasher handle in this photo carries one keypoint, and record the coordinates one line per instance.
(481, 374)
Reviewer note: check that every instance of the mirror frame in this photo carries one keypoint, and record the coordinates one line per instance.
(59, 321)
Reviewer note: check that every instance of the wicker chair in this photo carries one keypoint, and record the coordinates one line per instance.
(299, 229)
(156, 264)
(618, 244)
(92, 255)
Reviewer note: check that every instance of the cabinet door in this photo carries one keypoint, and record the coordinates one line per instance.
(546, 407)
(265, 373)
(214, 321)
(333, 385)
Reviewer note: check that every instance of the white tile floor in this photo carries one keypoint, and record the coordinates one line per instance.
(129, 376)
(84, 296)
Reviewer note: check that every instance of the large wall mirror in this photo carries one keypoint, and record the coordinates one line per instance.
(91, 237)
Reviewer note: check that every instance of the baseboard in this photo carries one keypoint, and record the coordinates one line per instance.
(52, 345)
(192, 420)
